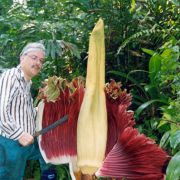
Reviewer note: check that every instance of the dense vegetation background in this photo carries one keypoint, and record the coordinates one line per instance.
(142, 51)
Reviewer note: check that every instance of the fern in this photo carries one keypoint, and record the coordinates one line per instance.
(147, 33)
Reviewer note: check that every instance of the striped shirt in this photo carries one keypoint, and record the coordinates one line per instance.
(17, 114)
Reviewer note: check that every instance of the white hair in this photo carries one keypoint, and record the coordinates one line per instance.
(36, 46)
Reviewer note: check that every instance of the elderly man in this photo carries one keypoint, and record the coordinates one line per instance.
(17, 114)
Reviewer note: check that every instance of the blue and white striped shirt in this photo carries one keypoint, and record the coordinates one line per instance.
(17, 113)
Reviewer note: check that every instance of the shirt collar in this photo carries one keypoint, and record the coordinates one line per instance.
(21, 75)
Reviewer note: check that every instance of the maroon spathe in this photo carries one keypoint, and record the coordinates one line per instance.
(62, 140)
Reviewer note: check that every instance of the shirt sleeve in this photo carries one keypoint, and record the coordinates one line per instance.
(8, 87)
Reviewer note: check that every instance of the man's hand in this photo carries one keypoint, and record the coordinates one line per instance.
(26, 139)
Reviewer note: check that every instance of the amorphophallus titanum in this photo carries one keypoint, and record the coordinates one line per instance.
(111, 144)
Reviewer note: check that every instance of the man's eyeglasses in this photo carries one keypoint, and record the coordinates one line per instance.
(35, 58)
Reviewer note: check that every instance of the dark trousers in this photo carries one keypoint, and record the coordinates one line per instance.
(13, 158)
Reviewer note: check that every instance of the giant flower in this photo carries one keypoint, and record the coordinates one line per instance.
(99, 137)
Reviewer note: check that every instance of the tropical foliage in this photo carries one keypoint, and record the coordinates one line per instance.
(142, 51)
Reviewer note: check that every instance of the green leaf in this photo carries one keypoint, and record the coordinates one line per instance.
(175, 139)
(162, 122)
(152, 90)
(165, 139)
(141, 99)
(154, 68)
(133, 5)
(173, 169)
(148, 51)
(146, 104)
(167, 116)
(154, 123)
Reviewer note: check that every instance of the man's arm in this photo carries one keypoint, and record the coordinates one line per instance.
(8, 88)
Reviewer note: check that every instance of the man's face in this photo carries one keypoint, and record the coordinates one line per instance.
(32, 63)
